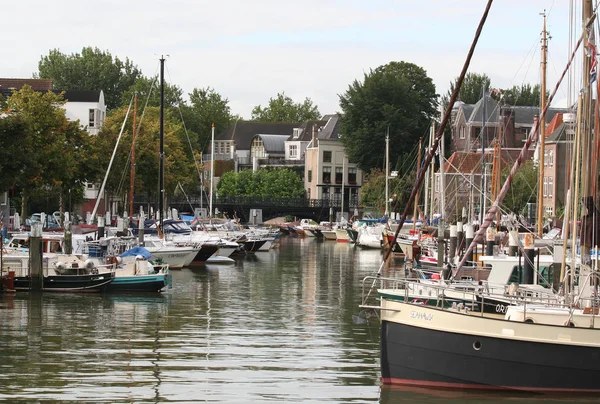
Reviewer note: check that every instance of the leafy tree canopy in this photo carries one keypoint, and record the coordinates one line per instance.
(46, 150)
(525, 95)
(179, 164)
(399, 96)
(471, 90)
(523, 189)
(92, 69)
(148, 91)
(284, 109)
(207, 107)
(271, 183)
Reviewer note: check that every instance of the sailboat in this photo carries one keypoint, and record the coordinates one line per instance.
(458, 347)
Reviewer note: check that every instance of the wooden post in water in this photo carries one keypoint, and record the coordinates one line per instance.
(35, 258)
(529, 257)
(68, 240)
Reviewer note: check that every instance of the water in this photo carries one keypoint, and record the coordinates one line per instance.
(275, 327)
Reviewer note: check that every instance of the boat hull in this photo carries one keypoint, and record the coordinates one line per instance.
(139, 283)
(69, 283)
(422, 347)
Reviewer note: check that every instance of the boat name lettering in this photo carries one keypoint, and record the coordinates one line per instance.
(421, 316)
(500, 308)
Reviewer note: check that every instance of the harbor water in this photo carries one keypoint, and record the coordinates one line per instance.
(275, 326)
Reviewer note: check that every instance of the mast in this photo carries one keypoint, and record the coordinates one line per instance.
(426, 197)
(343, 181)
(132, 172)
(212, 169)
(432, 173)
(483, 182)
(417, 197)
(442, 176)
(161, 156)
(387, 172)
(542, 142)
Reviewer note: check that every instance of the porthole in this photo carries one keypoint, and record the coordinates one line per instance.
(529, 321)
(477, 345)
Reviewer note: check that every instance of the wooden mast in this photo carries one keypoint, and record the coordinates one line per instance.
(417, 196)
(542, 137)
(132, 172)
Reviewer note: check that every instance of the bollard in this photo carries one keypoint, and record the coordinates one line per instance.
(453, 237)
(35, 257)
(489, 241)
(529, 258)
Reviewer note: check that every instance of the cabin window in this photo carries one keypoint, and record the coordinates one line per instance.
(516, 275)
(327, 156)
(92, 118)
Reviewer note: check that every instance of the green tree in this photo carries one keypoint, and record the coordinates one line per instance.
(399, 96)
(148, 90)
(525, 95)
(207, 107)
(471, 89)
(52, 152)
(268, 183)
(179, 164)
(284, 109)
(523, 189)
(92, 69)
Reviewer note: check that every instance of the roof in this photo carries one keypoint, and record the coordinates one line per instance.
(80, 95)
(491, 113)
(554, 123)
(273, 143)
(306, 130)
(242, 132)
(331, 128)
(470, 162)
(8, 85)
(559, 134)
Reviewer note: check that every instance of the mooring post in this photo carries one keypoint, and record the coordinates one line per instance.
(36, 257)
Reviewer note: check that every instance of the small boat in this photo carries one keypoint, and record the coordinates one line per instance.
(135, 273)
(218, 259)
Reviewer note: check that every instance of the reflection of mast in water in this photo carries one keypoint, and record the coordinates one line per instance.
(208, 318)
(156, 350)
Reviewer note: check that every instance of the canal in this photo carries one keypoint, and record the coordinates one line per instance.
(275, 327)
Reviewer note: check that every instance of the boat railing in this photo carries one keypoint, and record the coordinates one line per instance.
(464, 296)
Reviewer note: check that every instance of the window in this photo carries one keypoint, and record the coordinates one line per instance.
(227, 147)
(309, 175)
(293, 151)
(351, 175)
(545, 186)
(326, 175)
(550, 186)
(3, 198)
(546, 158)
(550, 158)
(325, 193)
(257, 147)
(463, 185)
(549, 211)
(461, 132)
(296, 132)
(327, 156)
(339, 175)
(337, 194)
(308, 193)
(92, 118)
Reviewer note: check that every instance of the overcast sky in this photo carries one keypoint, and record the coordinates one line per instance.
(250, 50)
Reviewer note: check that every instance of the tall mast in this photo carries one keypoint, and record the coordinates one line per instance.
(132, 172)
(387, 172)
(432, 174)
(483, 183)
(417, 196)
(343, 181)
(542, 142)
(426, 197)
(212, 169)
(161, 156)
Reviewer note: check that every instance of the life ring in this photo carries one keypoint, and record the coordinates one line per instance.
(418, 301)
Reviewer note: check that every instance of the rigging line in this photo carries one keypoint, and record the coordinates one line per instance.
(440, 132)
(196, 165)
(112, 158)
(532, 136)
(139, 127)
(184, 194)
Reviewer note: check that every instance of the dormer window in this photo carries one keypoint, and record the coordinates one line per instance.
(296, 133)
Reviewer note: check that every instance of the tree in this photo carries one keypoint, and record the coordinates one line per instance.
(524, 95)
(148, 90)
(207, 107)
(471, 89)
(268, 183)
(93, 69)
(179, 164)
(523, 189)
(284, 109)
(398, 96)
(51, 152)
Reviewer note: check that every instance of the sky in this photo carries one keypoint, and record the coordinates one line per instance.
(249, 51)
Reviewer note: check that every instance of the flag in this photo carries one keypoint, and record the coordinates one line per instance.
(591, 52)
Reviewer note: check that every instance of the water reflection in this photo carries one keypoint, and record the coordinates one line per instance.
(275, 325)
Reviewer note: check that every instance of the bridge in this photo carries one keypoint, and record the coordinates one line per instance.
(243, 207)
